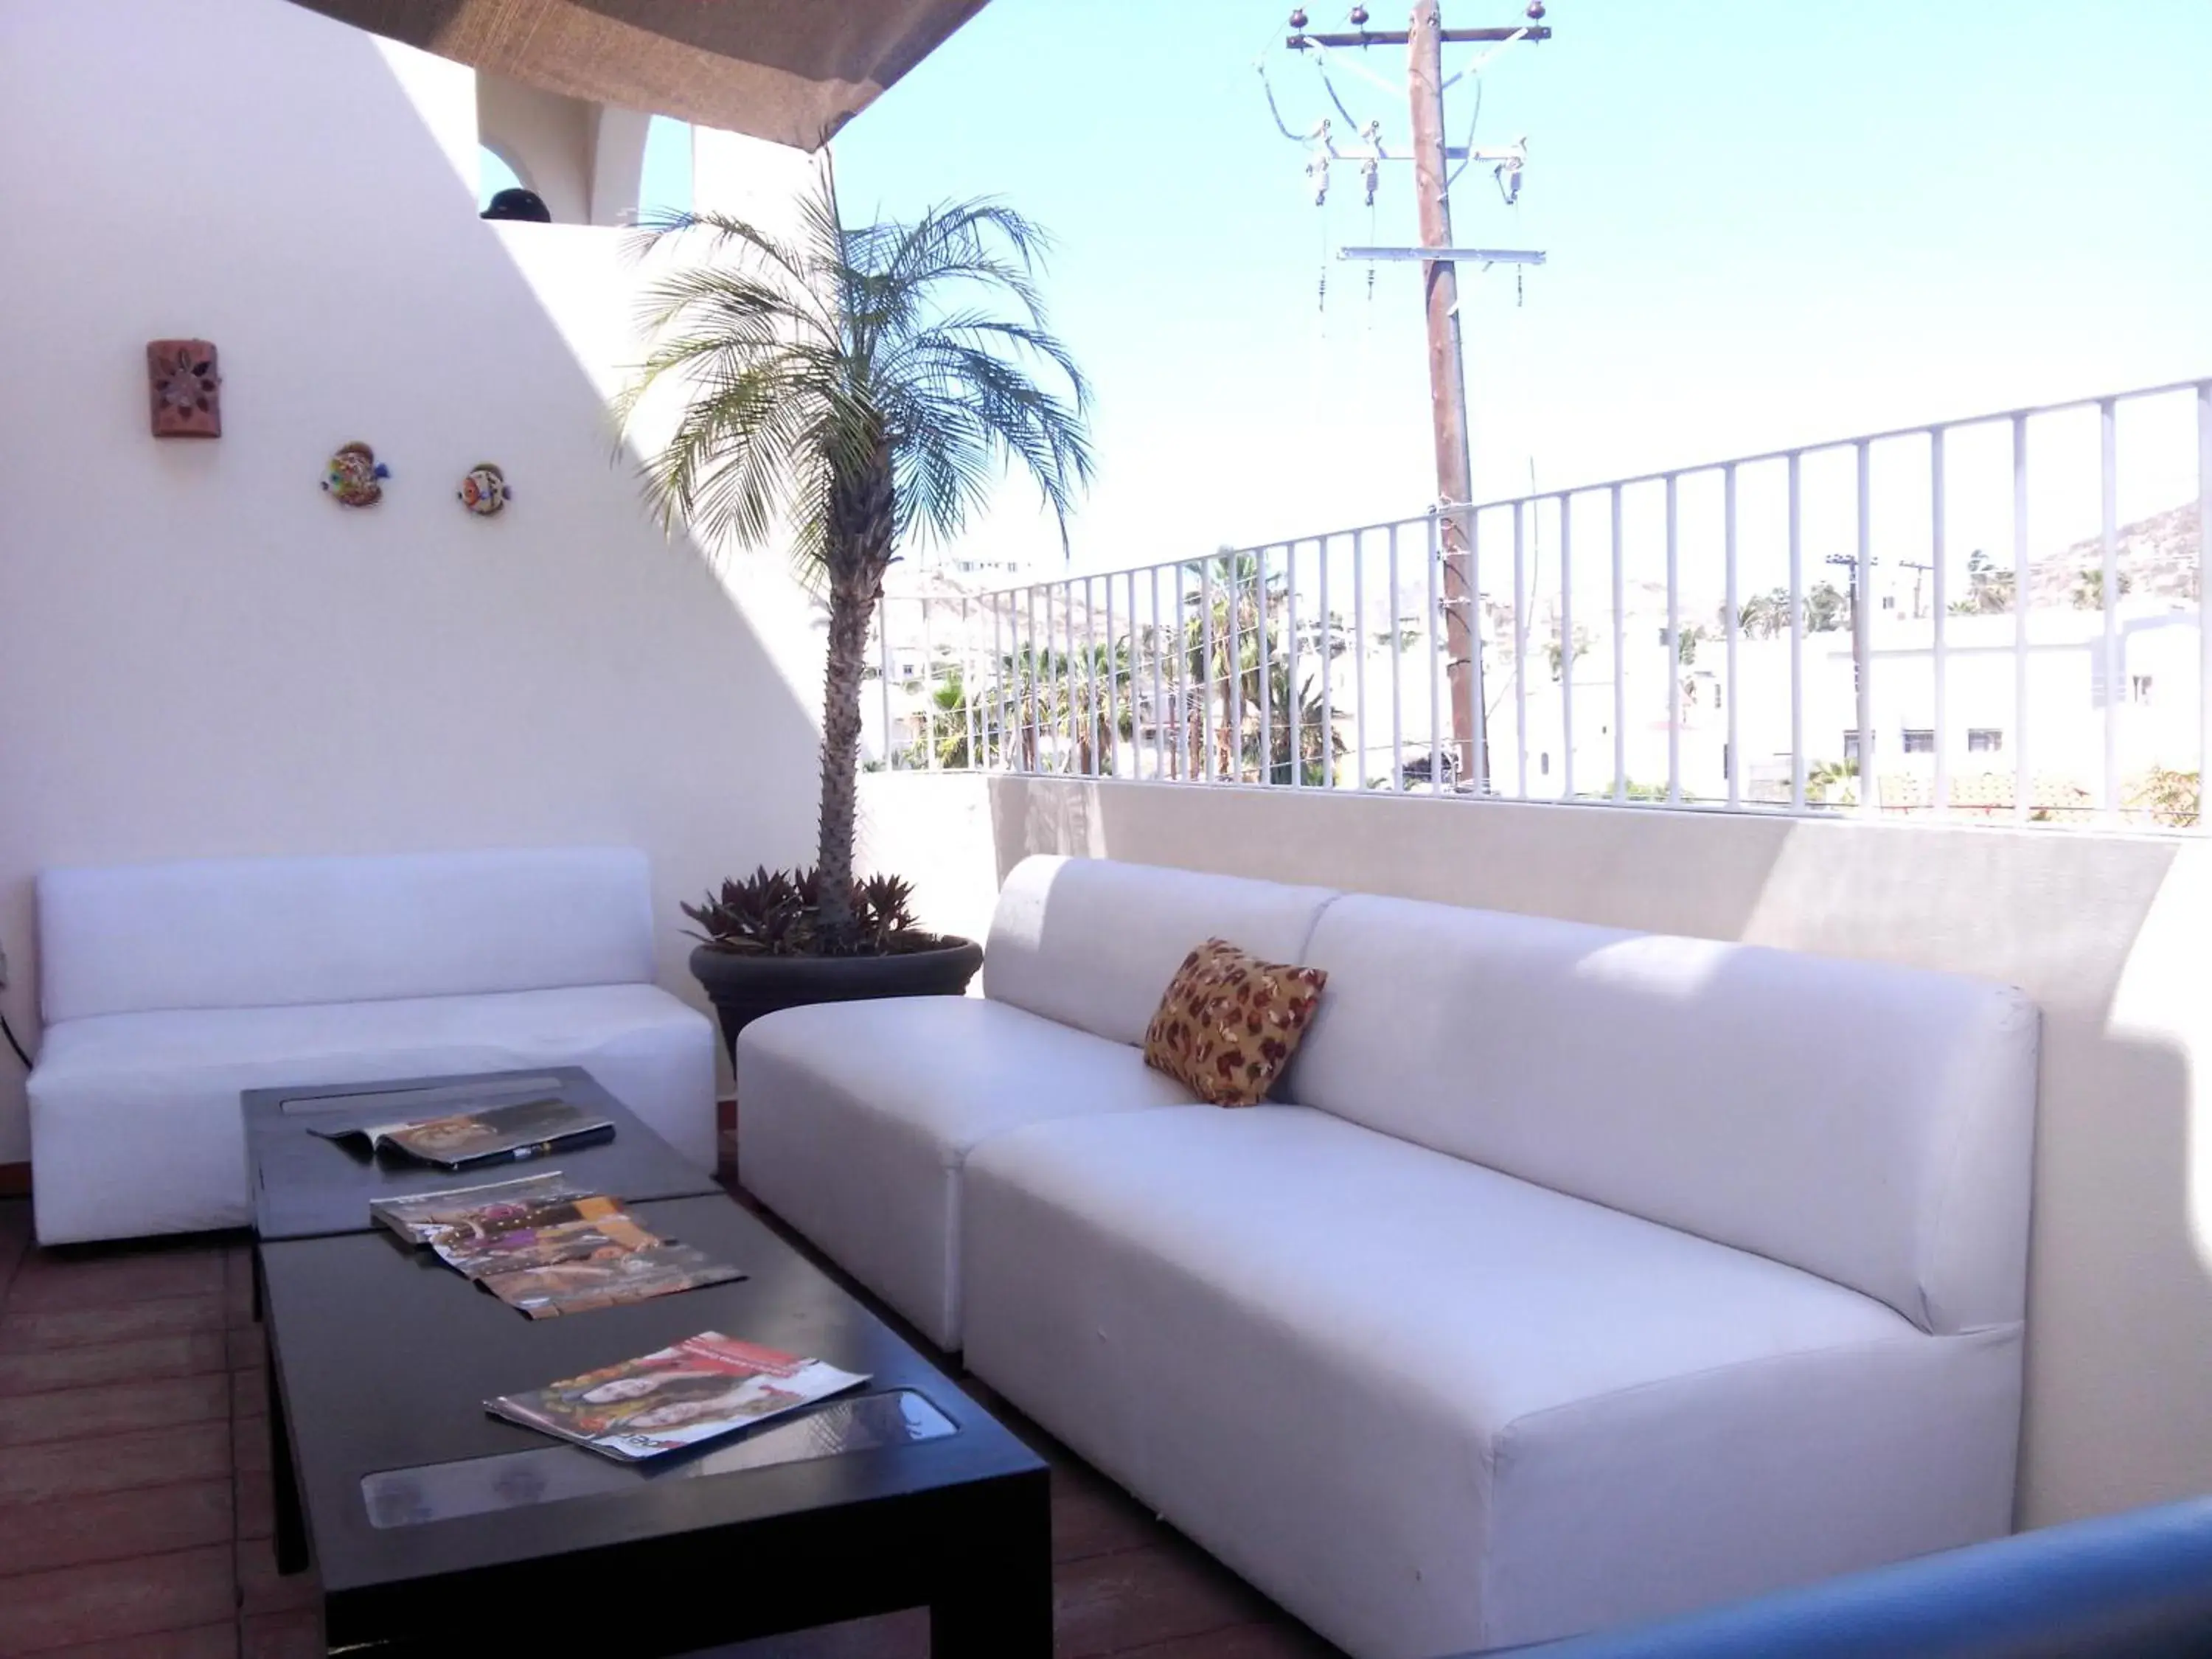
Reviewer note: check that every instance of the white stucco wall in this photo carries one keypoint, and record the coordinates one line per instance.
(200, 652)
(2110, 935)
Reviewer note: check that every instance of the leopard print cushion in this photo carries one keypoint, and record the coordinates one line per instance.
(1230, 1022)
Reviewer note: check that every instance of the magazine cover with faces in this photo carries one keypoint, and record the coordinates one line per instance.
(704, 1386)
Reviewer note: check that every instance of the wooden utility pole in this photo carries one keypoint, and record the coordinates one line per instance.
(1424, 78)
(1423, 40)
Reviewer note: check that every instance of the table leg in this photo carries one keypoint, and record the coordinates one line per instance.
(998, 1603)
(291, 1523)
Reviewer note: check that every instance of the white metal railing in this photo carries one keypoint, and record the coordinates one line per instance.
(1990, 617)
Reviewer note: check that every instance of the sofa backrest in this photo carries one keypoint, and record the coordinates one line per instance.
(257, 932)
(1093, 943)
(1867, 1123)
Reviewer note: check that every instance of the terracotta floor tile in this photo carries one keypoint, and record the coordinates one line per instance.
(1106, 1603)
(114, 1462)
(54, 1279)
(182, 1353)
(75, 1605)
(249, 1392)
(262, 1589)
(202, 1642)
(116, 1526)
(295, 1635)
(14, 1237)
(114, 1408)
(237, 1291)
(894, 1636)
(1091, 1518)
(79, 1327)
(256, 1498)
(1265, 1641)
(250, 1445)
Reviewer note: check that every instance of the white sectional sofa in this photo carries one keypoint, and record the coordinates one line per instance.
(1577, 1277)
(167, 989)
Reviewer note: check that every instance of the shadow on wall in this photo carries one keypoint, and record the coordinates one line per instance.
(2106, 934)
(200, 652)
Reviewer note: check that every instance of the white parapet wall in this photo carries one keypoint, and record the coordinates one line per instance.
(2112, 935)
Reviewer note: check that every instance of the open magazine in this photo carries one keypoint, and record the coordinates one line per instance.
(608, 1281)
(706, 1385)
(547, 1248)
(482, 1212)
(524, 1129)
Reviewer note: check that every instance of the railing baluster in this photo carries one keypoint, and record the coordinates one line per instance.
(1520, 649)
(1326, 651)
(1205, 703)
(1619, 659)
(968, 682)
(1566, 648)
(2204, 587)
(1438, 633)
(998, 677)
(1264, 609)
(1358, 658)
(2023, 786)
(2117, 684)
(1032, 754)
(1113, 739)
(1863, 637)
(1731, 625)
(1796, 631)
(1673, 648)
(1398, 673)
(1291, 652)
(1939, 659)
(928, 691)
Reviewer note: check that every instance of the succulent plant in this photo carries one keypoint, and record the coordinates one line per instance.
(777, 913)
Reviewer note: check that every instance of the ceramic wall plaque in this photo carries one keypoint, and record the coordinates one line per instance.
(484, 490)
(185, 389)
(355, 476)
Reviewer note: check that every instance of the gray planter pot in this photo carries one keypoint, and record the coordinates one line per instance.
(744, 988)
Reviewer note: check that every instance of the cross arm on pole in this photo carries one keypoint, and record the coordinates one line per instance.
(1400, 37)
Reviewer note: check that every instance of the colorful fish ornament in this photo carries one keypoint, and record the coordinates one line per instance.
(354, 476)
(484, 491)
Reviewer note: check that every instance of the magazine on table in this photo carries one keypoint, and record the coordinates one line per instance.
(528, 1128)
(475, 1211)
(608, 1281)
(581, 1230)
(704, 1386)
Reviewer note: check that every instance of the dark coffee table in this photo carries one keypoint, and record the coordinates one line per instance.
(435, 1525)
(304, 1186)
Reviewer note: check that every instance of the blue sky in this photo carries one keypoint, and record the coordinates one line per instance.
(1767, 224)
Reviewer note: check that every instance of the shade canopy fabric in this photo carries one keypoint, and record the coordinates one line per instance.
(775, 69)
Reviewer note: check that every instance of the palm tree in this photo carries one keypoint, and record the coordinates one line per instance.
(1764, 616)
(866, 386)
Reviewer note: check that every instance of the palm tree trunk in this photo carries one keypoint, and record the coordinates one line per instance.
(849, 613)
(861, 519)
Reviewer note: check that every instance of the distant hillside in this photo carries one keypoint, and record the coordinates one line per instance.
(2157, 559)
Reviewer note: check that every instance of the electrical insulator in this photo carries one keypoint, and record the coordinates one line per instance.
(1298, 18)
(1359, 17)
(1536, 11)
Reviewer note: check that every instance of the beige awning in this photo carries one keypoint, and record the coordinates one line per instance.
(790, 70)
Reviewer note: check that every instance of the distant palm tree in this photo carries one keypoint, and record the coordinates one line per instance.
(864, 386)
(1827, 610)
(1764, 616)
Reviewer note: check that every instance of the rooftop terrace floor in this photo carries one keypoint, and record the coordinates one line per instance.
(136, 1509)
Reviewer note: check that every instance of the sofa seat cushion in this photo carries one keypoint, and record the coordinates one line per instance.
(855, 1119)
(1431, 1407)
(135, 1118)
